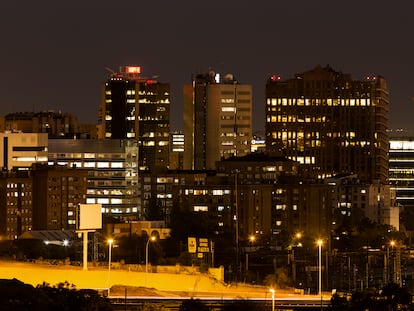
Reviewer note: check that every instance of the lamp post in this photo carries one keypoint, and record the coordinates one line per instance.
(295, 245)
(392, 244)
(152, 238)
(320, 242)
(273, 298)
(252, 238)
(110, 241)
(236, 216)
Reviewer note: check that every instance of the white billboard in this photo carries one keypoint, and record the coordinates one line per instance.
(89, 217)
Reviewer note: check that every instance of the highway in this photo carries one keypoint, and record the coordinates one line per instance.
(216, 303)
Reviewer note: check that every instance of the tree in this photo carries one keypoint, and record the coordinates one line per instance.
(243, 305)
(338, 303)
(193, 304)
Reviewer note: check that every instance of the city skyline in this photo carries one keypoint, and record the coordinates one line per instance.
(55, 55)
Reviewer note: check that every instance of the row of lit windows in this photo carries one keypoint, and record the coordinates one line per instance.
(200, 208)
(129, 135)
(164, 196)
(128, 210)
(103, 201)
(111, 183)
(23, 219)
(30, 159)
(318, 102)
(295, 135)
(295, 119)
(17, 194)
(151, 143)
(158, 134)
(93, 164)
(14, 185)
(22, 211)
(304, 160)
(88, 155)
(105, 192)
(147, 101)
(206, 191)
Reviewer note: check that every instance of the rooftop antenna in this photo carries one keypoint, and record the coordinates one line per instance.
(110, 70)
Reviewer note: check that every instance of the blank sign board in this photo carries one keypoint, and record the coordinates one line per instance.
(89, 217)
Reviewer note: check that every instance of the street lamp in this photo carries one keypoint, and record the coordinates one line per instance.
(273, 298)
(392, 244)
(110, 241)
(296, 243)
(320, 242)
(152, 238)
(252, 238)
(236, 218)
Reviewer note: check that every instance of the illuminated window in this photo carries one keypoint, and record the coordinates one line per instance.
(116, 165)
(228, 109)
(218, 192)
(200, 208)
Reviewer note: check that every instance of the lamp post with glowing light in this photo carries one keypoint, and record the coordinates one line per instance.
(152, 238)
(295, 245)
(273, 298)
(110, 241)
(320, 242)
(252, 238)
(392, 244)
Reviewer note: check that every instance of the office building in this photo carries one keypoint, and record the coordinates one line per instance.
(135, 107)
(112, 173)
(57, 191)
(21, 150)
(265, 203)
(352, 200)
(217, 120)
(402, 179)
(56, 124)
(16, 209)
(176, 150)
(330, 122)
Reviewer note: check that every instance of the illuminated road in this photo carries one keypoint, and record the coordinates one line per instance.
(161, 286)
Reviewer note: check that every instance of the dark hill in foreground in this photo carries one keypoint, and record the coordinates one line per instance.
(18, 296)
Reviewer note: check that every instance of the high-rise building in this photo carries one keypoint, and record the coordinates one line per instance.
(176, 150)
(402, 178)
(327, 120)
(135, 107)
(217, 120)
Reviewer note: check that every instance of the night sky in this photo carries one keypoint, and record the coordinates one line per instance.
(53, 54)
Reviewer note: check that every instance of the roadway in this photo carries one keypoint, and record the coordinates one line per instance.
(152, 286)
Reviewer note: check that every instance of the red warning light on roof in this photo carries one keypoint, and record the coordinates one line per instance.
(133, 69)
(275, 78)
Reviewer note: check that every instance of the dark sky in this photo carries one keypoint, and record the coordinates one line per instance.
(53, 54)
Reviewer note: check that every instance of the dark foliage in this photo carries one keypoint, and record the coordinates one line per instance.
(193, 304)
(391, 297)
(17, 296)
(244, 305)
